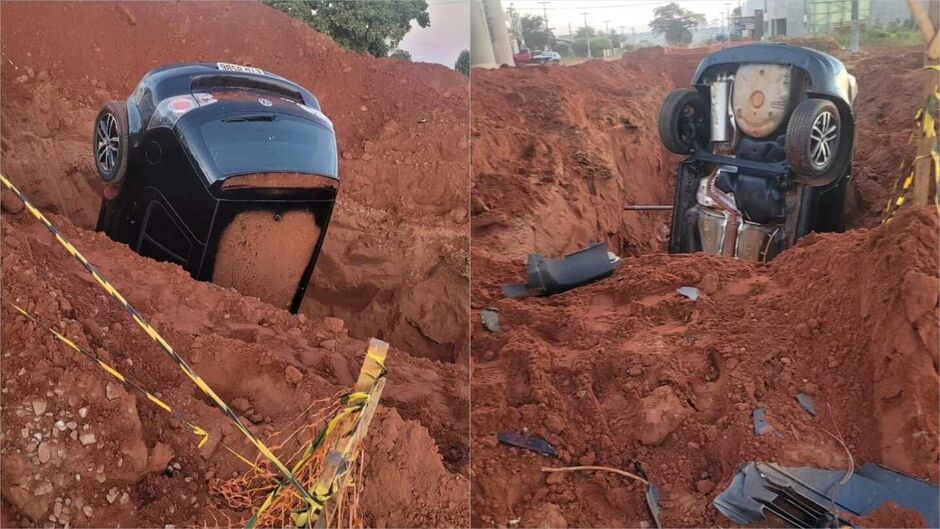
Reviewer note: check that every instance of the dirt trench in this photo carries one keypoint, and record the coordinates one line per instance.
(74, 438)
(397, 240)
(625, 371)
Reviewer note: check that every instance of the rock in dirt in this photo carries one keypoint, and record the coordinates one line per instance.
(293, 375)
(662, 413)
(544, 516)
(710, 283)
(160, 456)
(87, 438)
(42, 489)
(39, 406)
(241, 404)
(44, 453)
(704, 486)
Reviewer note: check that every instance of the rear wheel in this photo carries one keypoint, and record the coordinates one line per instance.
(683, 121)
(812, 142)
(109, 142)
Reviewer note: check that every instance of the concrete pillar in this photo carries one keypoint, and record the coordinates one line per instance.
(499, 35)
(481, 48)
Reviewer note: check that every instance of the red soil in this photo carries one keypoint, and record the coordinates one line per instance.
(625, 371)
(267, 364)
(394, 266)
(395, 259)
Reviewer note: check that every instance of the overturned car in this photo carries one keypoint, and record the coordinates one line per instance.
(769, 133)
(229, 171)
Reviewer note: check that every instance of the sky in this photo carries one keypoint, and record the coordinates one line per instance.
(631, 14)
(449, 32)
(445, 38)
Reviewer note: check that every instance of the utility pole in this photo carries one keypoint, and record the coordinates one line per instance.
(585, 14)
(855, 28)
(544, 13)
(607, 26)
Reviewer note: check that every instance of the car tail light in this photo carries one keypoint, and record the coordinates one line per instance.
(170, 110)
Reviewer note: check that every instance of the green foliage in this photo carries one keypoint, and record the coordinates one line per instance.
(535, 33)
(585, 32)
(563, 48)
(374, 26)
(580, 46)
(399, 53)
(463, 62)
(675, 23)
(894, 34)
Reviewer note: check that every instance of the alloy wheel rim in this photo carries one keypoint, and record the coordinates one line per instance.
(822, 139)
(107, 142)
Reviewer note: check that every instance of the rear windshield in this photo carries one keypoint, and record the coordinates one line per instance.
(264, 143)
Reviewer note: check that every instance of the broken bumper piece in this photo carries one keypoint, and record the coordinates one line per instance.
(552, 276)
(809, 497)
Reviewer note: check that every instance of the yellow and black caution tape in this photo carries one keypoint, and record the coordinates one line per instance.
(926, 126)
(183, 365)
(133, 385)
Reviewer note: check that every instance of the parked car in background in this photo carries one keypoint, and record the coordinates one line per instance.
(528, 57)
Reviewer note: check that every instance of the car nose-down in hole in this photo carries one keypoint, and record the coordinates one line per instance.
(769, 133)
(229, 171)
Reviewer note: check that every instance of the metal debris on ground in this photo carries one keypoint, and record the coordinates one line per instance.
(809, 497)
(689, 292)
(761, 425)
(490, 317)
(806, 402)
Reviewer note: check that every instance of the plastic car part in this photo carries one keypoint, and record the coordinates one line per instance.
(808, 497)
(683, 121)
(761, 98)
(529, 442)
(490, 318)
(552, 276)
(813, 142)
(110, 142)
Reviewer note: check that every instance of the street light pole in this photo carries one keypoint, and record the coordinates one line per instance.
(585, 14)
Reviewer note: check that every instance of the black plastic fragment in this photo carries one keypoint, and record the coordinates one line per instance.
(761, 425)
(529, 442)
(552, 276)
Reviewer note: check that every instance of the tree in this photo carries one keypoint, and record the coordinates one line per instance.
(675, 23)
(399, 53)
(535, 33)
(373, 27)
(585, 32)
(463, 62)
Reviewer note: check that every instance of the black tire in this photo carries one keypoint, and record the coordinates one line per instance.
(814, 142)
(683, 121)
(109, 139)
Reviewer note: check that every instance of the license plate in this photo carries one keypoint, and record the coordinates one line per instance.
(239, 68)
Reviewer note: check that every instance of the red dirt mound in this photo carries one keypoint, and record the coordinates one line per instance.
(80, 449)
(890, 88)
(557, 151)
(627, 371)
(395, 260)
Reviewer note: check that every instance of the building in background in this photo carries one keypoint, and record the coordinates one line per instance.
(807, 18)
